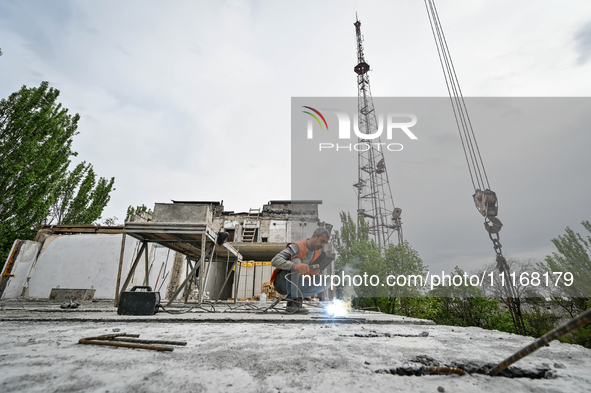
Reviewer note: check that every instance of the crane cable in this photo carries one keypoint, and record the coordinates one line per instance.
(465, 129)
(485, 199)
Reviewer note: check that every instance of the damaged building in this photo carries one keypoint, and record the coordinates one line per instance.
(98, 262)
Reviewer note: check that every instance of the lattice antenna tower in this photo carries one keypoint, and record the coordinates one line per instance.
(375, 204)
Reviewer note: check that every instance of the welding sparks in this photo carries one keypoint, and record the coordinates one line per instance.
(338, 308)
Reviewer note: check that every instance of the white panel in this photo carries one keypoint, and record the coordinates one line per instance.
(21, 269)
(278, 231)
(82, 262)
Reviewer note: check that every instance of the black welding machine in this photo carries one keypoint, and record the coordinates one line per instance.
(139, 302)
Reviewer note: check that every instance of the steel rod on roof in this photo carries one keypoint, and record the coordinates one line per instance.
(237, 281)
(226, 281)
(560, 331)
(119, 270)
(192, 272)
(192, 280)
(133, 267)
(201, 273)
(147, 264)
(202, 289)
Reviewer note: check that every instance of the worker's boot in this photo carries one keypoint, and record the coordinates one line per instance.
(296, 307)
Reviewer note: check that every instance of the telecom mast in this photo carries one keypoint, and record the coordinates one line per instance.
(374, 195)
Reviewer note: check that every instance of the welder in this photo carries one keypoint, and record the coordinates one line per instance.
(297, 260)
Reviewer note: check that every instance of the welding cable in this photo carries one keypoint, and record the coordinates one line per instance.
(210, 304)
(185, 311)
(301, 295)
(244, 307)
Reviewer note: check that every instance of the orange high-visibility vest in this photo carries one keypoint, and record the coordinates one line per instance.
(302, 250)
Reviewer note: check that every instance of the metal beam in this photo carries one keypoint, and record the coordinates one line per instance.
(147, 280)
(119, 270)
(137, 259)
(192, 272)
(202, 289)
(226, 281)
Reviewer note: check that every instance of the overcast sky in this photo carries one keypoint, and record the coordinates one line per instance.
(190, 100)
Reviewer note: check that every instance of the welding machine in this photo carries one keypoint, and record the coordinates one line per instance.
(139, 303)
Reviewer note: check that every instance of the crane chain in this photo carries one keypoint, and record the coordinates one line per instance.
(495, 237)
(498, 248)
(502, 265)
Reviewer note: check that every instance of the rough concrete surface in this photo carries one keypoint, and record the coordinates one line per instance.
(268, 356)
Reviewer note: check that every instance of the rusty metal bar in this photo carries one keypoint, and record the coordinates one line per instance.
(191, 273)
(444, 370)
(147, 263)
(122, 340)
(137, 259)
(119, 270)
(560, 331)
(202, 290)
(118, 344)
(11, 259)
(167, 342)
(189, 285)
(111, 336)
(237, 281)
(202, 271)
(227, 278)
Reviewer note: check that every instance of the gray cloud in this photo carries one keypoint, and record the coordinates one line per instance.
(191, 100)
(583, 43)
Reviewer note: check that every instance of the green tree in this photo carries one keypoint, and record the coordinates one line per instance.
(80, 199)
(572, 262)
(36, 135)
(403, 260)
(570, 275)
(35, 147)
(139, 211)
(466, 305)
(359, 255)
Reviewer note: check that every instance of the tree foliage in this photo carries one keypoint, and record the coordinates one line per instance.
(35, 147)
(36, 135)
(138, 210)
(450, 304)
(358, 255)
(80, 199)
(573, 256)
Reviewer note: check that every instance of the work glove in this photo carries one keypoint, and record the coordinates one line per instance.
(302, 268)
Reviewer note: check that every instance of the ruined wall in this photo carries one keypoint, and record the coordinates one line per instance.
(21, 269)
(85, 261)
(182, 213)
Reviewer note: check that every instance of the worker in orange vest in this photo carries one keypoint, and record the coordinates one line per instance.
(294, 262)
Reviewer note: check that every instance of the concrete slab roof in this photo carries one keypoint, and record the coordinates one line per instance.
(241, 354)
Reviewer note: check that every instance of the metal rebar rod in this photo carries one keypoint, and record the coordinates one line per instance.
(444, 370)
(119, 269)
(182, 285)
(226, 281)
(545, 339)
(147, 279)
(167, 342)
(132, 270)
(110, 336)
(119, 344)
